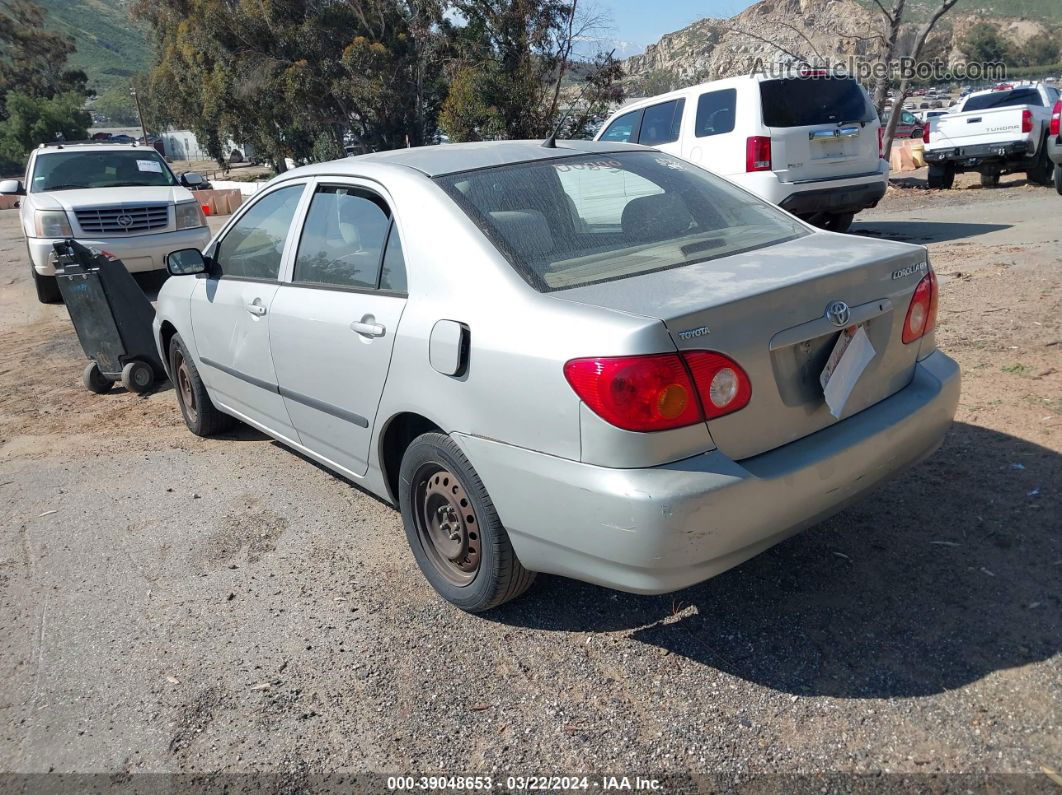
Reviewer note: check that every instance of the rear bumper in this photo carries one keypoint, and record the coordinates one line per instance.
(848, 199)
(660, 529)
(972, 157)
(138, 253)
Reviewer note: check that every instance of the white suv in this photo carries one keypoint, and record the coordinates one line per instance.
(119, 198)
(809, 142)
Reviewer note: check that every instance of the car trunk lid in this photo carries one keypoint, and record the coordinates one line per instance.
(766, 310)
(821, 128)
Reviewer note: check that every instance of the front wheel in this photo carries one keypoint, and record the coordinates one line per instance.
(47, 288)
(200, 414)
(453, 529)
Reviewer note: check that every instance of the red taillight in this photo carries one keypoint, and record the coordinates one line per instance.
(1026, 121)
(922, 313)
(1056, 119)
(925, 133)
(758, 153)
(881, 142)
(657, 392)
(721, 383)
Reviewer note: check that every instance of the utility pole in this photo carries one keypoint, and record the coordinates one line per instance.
(140, 115)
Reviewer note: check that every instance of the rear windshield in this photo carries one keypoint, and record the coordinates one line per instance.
(1004, 99)
(115, 168)
(806, 101)
(580, 220)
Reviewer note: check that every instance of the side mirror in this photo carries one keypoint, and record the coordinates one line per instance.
(12, 187)
(186, 262)
(191, 179)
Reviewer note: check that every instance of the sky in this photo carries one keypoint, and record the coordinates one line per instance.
(636, 23)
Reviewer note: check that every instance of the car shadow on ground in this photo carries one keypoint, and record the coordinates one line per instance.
(922, 232)
(947, 574)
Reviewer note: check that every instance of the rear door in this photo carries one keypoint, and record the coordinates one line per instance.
(333, 322)
(821, 128)
(710, 144)
(230, 309)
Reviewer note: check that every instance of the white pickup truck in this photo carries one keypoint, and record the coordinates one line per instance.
(1000, 131)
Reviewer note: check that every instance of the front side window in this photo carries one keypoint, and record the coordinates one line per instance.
(343, 238)
(660, 123)
(254, 246)
(572, 221)
(115, 168)
(716, 112)
(622, 129)
(908, 118)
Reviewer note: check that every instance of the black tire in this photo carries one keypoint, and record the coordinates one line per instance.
(941, 177)
(838, 222)
(138, 377)
(990, 180)
(95, 381)
(1058, 179)
(200, 414)
(47, 288)
(916, 133)
(1043, 171)
(475, 568)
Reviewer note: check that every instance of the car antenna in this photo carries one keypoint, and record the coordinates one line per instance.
(551, 141)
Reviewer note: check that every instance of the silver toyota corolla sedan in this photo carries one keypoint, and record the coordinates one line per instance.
(594, 360)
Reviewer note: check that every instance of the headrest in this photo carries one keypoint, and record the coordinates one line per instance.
(526, 231)
(656, 217)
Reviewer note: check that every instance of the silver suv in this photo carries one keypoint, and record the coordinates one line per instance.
(119, 198)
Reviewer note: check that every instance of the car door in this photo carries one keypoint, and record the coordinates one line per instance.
(661, 124)
(230, 309)
(333, 321)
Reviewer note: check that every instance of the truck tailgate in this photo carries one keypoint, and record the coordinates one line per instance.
(978, 127)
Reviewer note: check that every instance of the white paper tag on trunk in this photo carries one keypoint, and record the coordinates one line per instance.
(845, 375)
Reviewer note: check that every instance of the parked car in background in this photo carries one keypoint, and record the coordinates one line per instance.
(121, 199)
(1054, 143)
(909, 125)
(810, 143)
(640, 375)
(1000, 131)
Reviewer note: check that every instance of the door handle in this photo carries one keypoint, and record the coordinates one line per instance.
(256, 308)
(368, 329)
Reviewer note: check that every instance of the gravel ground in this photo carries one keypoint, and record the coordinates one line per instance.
(179, 605)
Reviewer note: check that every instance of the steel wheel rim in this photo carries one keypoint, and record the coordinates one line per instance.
(184, 387)
(447, 525)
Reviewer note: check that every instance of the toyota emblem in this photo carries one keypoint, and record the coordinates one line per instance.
(124, 220)
(838, 313)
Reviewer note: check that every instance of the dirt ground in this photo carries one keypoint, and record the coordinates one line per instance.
(172, 604)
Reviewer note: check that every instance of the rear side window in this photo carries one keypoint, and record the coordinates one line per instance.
(1004, 99)
(253, 247)
(624, 128)
(343, 238)
(393, 275)
(715, 112)
(807, 101)
(660, 123)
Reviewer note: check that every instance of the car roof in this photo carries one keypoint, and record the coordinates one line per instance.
(435, 161)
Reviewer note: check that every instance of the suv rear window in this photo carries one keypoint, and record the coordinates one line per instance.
(1004, 99)
(806, 101)
(572, 221)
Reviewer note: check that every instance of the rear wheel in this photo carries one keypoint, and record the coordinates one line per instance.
(200, 414)
(47, 288)
(990, 180)
(1058, 179)
(917, 133)
(138, 377)
(941, 177)
(453, 529)
(838, 222)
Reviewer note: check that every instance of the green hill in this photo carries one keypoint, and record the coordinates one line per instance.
(111, 45)
(1049, 11)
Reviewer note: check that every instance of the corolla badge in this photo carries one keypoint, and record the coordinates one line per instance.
(838, 313)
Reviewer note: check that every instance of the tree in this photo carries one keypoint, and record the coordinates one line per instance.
(33, 61)
(292, 78)
(1041, 49)
(33, 120)
(985, 44)
(117, 106)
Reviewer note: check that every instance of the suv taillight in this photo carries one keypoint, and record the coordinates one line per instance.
(922, 313)
(1056, 119)
(659, 391)
(925, 133)
(758, 153)
(1026, 121)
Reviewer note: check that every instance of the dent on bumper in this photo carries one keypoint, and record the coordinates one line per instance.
(661, 529)
(138, 252)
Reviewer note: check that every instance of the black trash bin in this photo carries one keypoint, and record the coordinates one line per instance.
(112, 317)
